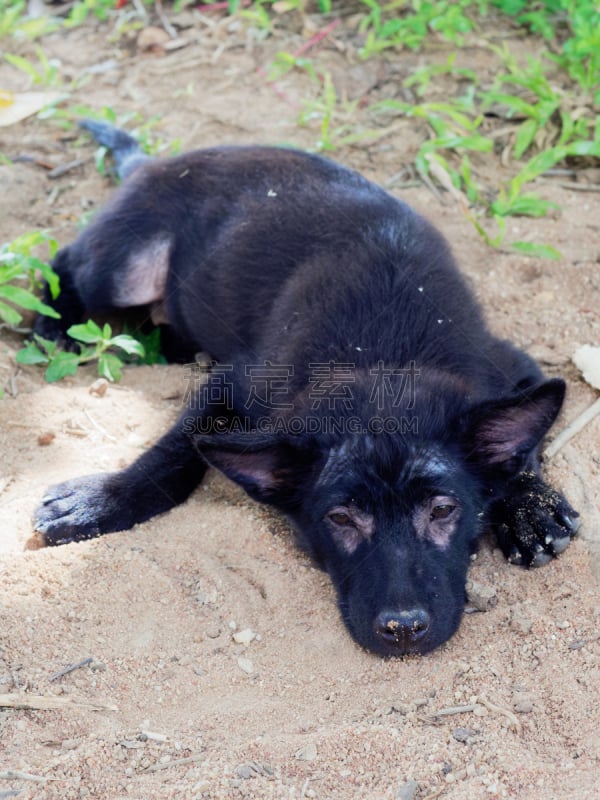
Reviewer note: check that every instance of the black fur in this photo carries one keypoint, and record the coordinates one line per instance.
(397, 427)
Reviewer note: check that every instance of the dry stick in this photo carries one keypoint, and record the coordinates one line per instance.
(62, 169)
(470, 708)
(38, 702)
(99, 427)
(312, 42)
(164, 20)
(447, 712)
(580, 187)
(178, 762)
(17, 775)
(499, 710)
(572, 429)
(437, 793)
(70, 668)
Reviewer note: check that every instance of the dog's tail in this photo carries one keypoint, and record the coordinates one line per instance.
(125, 150)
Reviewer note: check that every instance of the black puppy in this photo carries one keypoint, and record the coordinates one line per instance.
(355, 385)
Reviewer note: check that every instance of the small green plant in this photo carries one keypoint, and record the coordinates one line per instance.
(45, 73)
(407, 24)
(20, 269)
(95, 343)
(15, 22)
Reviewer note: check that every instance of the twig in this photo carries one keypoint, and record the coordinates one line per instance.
(471, 708)
(71, 668)
(38, 702)
(319, 36)
(177, 762)
(17, 775)
(572, 429)
(164, 21)
(499, 710)
(437, 793)
(448, 712)
(580, 187)
(312, 42)
(62, 169)
(99, 427)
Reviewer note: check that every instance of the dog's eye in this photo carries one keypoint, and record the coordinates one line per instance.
(442, 511)
(340, 518)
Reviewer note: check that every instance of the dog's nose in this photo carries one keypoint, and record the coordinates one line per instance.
(402, 628)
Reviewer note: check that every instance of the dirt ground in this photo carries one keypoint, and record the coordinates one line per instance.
(508, 708)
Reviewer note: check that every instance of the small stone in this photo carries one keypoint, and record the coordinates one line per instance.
(244, 637)
(98, 666)
(213, 631)
(152, 40)
(523, 707)
(70, 744)
(480, 596)
(463, 734)
(99, 387)
(519, 622)
(308, 753)
(246, 665)
(245, 772)
(408, 791)
(46, 438)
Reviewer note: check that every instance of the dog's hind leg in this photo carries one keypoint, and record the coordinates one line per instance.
(120, 261)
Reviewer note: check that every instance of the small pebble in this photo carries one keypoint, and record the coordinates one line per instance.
(44, 439)
(245, 772)
(481, 596)
(463, 734)
(99, 387)
(244, 637)
(213, 631)
(523, 707)
(308, 753)
(246, 665)
(408, 791)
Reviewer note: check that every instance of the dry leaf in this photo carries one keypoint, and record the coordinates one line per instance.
(18, 106)
(587, 359)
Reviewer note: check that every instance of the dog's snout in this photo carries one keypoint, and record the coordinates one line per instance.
(402, 628)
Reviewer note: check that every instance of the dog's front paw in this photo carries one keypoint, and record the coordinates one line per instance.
(534, 523)
(81, 509)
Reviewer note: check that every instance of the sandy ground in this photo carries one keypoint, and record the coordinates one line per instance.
(508, 708)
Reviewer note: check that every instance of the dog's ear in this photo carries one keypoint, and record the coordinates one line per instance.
(270, 469)
(501, 434)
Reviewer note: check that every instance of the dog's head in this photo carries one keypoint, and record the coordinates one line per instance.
(393, 517)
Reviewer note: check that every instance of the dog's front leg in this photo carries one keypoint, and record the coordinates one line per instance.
(90, 506)
(533, 522)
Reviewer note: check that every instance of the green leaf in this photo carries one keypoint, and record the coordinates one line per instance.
(9, 315)
(31, 354)
(25, 299)
(61, 365)
(127, 343)
(48, 345)
(109, 366)
(539, 250)
(526, 205)
(525, 136)
(88, 333)
(24, 65)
